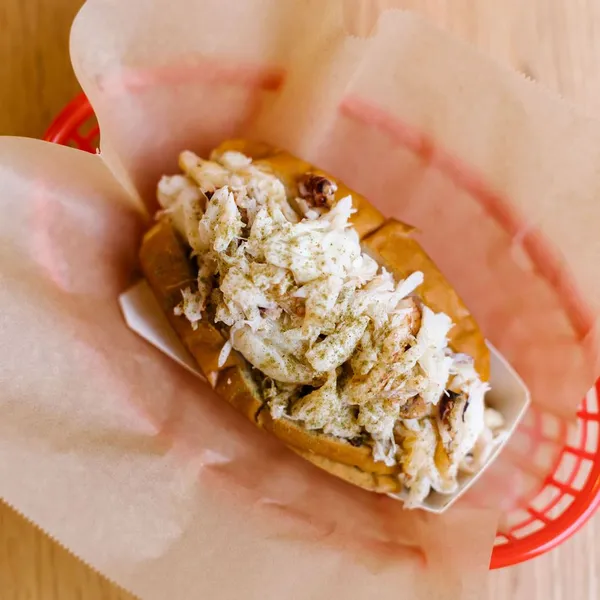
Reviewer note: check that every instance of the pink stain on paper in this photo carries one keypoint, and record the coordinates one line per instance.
(220, 98)
(59, 241)
(182, 71)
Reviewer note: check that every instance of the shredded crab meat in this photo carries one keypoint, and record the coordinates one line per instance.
(279, 396)
(419, 461)
(191, 307)
(184, 202)
(325, 409)
(337, 347)
(491, 436)
(345, 348)
(270, 358)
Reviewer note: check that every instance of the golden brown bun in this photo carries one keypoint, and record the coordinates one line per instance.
(289, 169)
(336, 449)
(394, 247)
(382, 484)
(238, 387)
(169, 270)
(165, 263)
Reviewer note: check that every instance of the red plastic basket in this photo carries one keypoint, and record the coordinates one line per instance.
(570, 492)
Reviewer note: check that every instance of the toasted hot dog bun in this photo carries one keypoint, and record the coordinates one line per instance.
(168, 268)
(373, 482)
(335, 449)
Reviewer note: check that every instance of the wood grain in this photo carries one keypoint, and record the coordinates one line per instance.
(556, 42)
(35, 72)
(33, 567)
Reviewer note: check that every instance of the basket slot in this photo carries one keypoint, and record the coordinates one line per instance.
(565, 489)
(547, 498)
(529, 528)
(501, 540)
(539, 516)
(514, 520)
(583, 474)
(580, 453)
(593, 436)
(561, 507)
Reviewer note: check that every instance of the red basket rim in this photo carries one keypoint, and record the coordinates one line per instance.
(515, 551)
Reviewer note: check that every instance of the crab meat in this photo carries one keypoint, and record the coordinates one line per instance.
(418, 458)
(273, 362)
(337, 348)
(324, 409)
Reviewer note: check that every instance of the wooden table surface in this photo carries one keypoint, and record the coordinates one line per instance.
(556, 42)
